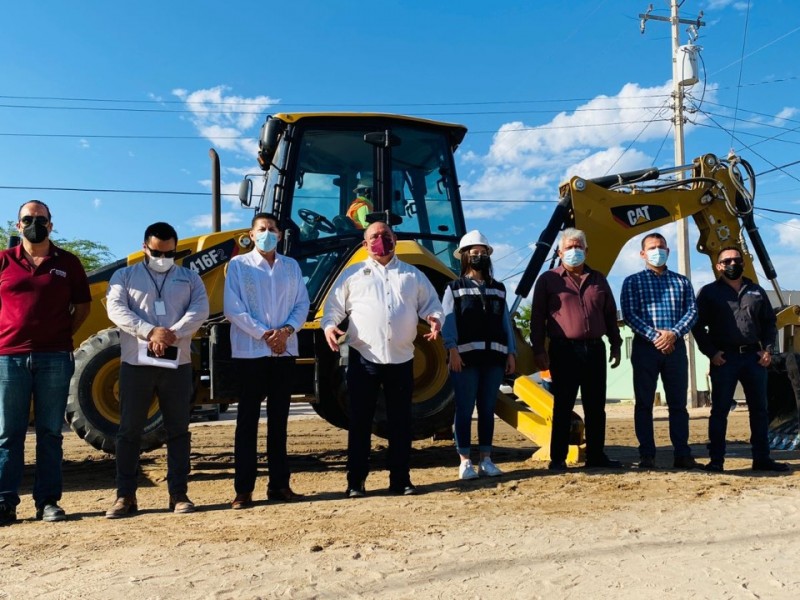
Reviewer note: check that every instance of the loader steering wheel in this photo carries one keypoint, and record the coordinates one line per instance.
(316, 220)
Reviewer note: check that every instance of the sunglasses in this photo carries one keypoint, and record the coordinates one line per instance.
(731, 261)
(28, 219)
(160, 253)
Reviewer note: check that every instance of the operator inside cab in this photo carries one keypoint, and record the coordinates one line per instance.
(362, 205)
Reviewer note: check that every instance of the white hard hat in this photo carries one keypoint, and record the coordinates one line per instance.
(473, 238)
(363, 183)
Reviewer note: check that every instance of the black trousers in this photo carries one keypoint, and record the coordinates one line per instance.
(259, 378)
(137, 384)
(365, 379)
(578, 365)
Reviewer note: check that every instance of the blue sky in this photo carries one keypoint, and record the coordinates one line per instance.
(75, 72)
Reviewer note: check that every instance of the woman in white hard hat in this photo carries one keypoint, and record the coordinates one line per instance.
(478, 336)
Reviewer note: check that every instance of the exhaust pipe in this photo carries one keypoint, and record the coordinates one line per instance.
(216, 197)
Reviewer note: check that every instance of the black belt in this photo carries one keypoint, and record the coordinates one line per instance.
(743, 349)
(568, 342)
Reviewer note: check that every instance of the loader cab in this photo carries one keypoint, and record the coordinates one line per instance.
(318, 165)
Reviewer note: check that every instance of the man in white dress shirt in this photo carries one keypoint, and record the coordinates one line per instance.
(384, 298)
(266, 302)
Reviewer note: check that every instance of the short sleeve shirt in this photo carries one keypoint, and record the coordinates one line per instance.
(35, 303)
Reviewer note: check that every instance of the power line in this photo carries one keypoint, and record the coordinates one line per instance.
(123, 136)
(259, 113)
(105, 190)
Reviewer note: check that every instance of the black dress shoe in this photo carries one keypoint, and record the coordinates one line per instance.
(647, 462)
(714, 467)
(603, 463)
(686, 462)
(284, 495)
(50, 512)
(770, 465)
(557, 466)
(8, 514)
(356, 492)
(403, 490)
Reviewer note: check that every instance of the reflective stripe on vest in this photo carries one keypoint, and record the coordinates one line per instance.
(469, 346)
(473, 291)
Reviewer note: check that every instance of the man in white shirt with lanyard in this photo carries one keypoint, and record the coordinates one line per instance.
(384, 299)
(158, 306)
(266, 302)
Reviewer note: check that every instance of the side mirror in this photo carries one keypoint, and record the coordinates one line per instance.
(246, 191)
(268, 139)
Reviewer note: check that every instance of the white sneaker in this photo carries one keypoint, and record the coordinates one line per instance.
(487, 468)
(466, 470)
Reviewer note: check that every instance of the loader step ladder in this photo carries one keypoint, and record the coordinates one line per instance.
(530, 411)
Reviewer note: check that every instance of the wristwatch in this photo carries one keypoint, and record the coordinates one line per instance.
(288, 328)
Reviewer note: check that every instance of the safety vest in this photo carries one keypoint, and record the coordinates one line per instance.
(479, 317)
(352, 212)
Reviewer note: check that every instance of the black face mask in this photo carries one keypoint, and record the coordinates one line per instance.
(733, 271)
(480, 262)
(35, 232)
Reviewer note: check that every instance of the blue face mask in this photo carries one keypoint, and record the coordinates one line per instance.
(657, 256)
(574, 257)
(266, 241)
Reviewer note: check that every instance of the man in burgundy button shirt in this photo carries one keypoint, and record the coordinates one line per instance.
(44, 298)
(574, 307)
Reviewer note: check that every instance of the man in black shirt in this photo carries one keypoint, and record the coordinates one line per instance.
(736, 329)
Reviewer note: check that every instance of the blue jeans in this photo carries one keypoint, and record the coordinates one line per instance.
(648, 363)
(475, 385)
(43, 377)
(744, 368)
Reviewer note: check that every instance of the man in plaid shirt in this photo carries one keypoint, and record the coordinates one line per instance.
(659, 306)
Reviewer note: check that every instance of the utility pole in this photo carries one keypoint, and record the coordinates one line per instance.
(684, 262)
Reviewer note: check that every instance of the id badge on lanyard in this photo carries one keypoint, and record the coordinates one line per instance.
(160, 307)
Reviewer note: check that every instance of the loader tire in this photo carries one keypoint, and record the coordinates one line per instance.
(93, 403)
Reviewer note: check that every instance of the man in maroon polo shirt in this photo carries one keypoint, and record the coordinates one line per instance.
(574, 307)
(44, 298)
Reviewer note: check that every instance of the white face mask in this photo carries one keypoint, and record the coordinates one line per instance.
(160, 265)
(657, 256)
(574, 257)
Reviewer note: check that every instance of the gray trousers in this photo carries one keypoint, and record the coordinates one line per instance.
(137, 384)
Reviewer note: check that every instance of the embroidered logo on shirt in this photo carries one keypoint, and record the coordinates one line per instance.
(367, 271)
(58, 272)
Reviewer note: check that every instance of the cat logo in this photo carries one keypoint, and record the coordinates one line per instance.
(635, 215)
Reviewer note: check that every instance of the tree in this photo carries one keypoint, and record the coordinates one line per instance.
(522, 318)
(92, 255)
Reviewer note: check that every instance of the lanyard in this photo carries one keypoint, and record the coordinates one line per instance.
(150, 275)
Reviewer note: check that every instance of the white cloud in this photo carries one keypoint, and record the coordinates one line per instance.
(604, 121)
(229, 191)
(720, 4)
(789, 234)
(783, 115)
(97, 202)
(611, 160)
(84, 143)
(228, 219)
(223, 119)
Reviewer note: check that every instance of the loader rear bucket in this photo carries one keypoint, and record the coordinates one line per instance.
(783, 401)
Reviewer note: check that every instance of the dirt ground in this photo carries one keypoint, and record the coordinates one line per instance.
(527, 534)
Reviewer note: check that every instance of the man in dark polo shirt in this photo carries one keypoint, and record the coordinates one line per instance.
(44, 298)
(736, 329)
(574, 307)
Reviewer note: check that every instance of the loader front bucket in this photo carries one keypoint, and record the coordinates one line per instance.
(783, 401)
